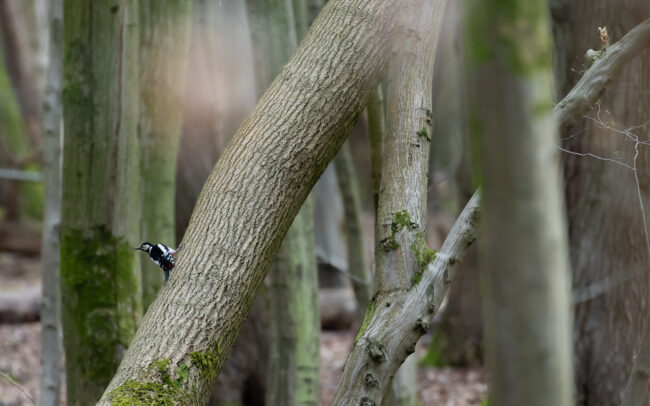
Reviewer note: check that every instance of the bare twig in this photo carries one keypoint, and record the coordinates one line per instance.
(13, 382)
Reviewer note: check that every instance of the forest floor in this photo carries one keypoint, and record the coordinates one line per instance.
(20, 351)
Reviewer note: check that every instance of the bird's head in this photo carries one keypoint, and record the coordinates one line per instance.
(146, 247)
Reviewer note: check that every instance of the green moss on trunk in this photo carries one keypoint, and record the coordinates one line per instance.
(100, 277)
(100, 308)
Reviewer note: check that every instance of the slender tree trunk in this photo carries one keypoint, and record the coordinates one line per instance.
(376, 133)
(13, 143)
(405, 167)
(51, 345)
(37, 14)
(294, 361)
(401, 252)
(607, 238)
(164, 41)
(250, 200)
(100, 277)
(359, 272)
(525, 272)
(18, 54)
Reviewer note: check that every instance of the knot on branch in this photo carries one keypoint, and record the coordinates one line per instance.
(371, 381)
(377, 352)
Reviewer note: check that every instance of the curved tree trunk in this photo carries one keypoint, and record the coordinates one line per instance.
(164, 41)
(51, 345)
(605, 222)
(525, 273)
(100, 277)
(250, 199)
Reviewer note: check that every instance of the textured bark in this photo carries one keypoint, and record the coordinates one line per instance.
(523, 249)
(376, 134)
(100, 277)
(395, 323)
(292, 377)
(606, 236)
(51, 345)
(348, 184)
(401, 253)
(405, 167)
(164, 41)
(250, 199)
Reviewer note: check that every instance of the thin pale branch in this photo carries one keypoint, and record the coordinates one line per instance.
(606, 67)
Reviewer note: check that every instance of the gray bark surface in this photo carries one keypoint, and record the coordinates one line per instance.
(252, 196)
(51, 343)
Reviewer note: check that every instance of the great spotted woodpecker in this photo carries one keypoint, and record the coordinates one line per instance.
(161, 255)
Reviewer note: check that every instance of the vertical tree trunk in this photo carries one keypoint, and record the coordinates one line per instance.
(164, 41)
(51, 345)
(606, 236)
(13, 142)
(250, 200)
(294, 357)
(376, 133)
(100, 277)
(525, 272)
(404, 177)
(18, 54)
(37, 14)
(360, 274)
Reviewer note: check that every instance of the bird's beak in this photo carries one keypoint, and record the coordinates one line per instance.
(137, 249)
